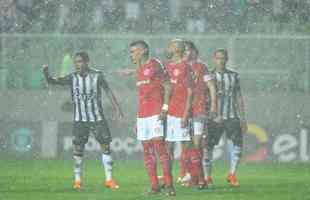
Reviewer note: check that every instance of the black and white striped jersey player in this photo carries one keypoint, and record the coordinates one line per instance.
(230, 116)
(86, 90)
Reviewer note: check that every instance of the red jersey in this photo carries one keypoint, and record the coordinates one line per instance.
(200, 76)
(180, 78)
(150, 77)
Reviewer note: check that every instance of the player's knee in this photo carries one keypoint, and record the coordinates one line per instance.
(78, 150)
(105, 148)
(103, 139)
(81, 140)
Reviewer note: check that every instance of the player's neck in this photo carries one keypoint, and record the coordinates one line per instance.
(220, 68)
(176, 59)
(84, 72)
(143, 61)
(192, 61)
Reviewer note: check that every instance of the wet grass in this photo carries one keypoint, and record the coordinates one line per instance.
(52, 180)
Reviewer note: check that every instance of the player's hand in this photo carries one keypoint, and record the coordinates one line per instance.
(184, 122)
(120, 114)
(135, 129)
(162, 115)
(244, 126)
(45, 68)
(218, 119)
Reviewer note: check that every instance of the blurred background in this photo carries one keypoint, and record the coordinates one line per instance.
(268, 43)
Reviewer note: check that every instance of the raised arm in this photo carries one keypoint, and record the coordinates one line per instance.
(126, 72)
(103, 83)
(56, 81)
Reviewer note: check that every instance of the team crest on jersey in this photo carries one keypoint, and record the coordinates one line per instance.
(147, 72)
(176, 72)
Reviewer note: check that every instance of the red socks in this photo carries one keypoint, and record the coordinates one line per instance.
(195, 165)
(183, 163)
(150, 163)
(161, 149)
(150, 148)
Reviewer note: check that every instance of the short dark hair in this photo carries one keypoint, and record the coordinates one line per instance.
(142, 44)
(192, 46)
(83, 55)
(223, 51)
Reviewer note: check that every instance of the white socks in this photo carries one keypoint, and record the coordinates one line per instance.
(107, 163)
(207, 161)
(235, 157)
(77, 168)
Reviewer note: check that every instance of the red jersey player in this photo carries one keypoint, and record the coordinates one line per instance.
(202, 81)
(153, 96)
(181, 94)
(179, 111)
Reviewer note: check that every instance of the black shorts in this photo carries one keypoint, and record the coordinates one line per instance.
(231, 127)
(99, 129)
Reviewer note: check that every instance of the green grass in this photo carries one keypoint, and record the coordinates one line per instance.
(52, 180)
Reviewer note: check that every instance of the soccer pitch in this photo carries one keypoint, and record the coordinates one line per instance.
(52, 180)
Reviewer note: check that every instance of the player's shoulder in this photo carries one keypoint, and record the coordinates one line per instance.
(155, 62)
(201, 65)
(232, 71)
(93, 70)
(71, 74)
(169, 64)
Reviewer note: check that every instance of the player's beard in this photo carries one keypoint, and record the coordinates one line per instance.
(133, 60)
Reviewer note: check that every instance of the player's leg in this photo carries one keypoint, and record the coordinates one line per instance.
(162, 150)
(214, 132)
(170, 145)
(149, 157)
(196, 152)
(170, 138)
(234, 133)
(175, 133)
(183, 168)
(157, 132)
(146, 131)
(80, 138)
(184, 174)
(102, 134)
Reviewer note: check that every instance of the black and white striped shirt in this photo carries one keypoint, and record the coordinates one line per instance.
(86, 92)
(227, 88)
